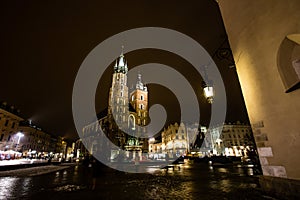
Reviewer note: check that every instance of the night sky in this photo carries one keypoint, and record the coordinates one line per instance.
(43, 44)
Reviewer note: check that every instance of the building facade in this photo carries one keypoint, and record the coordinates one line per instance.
(9, 123)
(231, 139)
(174, 142)
(35, 142)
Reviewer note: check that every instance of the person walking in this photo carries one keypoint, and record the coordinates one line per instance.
(96, 172)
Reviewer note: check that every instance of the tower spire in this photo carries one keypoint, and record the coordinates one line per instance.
(139, 83)
(122, 52)
(121, 64)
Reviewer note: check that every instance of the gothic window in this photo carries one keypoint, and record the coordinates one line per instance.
(121, 94)
(141, 106)
(142, 97)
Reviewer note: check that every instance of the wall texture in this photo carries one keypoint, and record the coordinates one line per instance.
(256, 30)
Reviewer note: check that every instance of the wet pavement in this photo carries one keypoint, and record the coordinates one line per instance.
(191, 181)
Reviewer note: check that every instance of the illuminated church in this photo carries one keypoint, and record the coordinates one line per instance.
(127, 113)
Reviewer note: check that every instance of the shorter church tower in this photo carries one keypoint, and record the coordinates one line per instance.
(139, 101)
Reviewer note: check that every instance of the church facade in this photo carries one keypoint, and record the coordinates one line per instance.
(124, 120)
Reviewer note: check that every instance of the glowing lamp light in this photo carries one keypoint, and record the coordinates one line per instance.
(19, 134)
(151, 140)
(208, 93)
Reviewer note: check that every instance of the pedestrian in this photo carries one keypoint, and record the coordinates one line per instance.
(96, 172)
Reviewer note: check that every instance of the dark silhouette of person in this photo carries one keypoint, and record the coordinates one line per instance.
(96, 171)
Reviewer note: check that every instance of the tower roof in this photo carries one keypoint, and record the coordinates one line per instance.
(121, 64)
(139, 84)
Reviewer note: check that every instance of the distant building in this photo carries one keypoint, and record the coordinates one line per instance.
(231, 139)
(177, 140)
(35, 142)
(9, 123)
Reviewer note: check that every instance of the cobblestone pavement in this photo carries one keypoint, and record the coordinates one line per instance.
(32, 171)
(196, 181)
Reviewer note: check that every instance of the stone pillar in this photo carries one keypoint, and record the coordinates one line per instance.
(256, 31)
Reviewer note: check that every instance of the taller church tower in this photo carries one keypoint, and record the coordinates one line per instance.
(128, 114)
(118, 101)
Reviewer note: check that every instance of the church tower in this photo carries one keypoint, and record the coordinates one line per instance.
(118, 100)
(139, 101)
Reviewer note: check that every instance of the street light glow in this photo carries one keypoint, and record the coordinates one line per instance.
(209, 93)
(19, 134)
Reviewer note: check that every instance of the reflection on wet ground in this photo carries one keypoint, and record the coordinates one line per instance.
(195, 181)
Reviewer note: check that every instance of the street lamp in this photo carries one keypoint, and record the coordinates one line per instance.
(208, 92)
(207, 85)
(19, 134)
